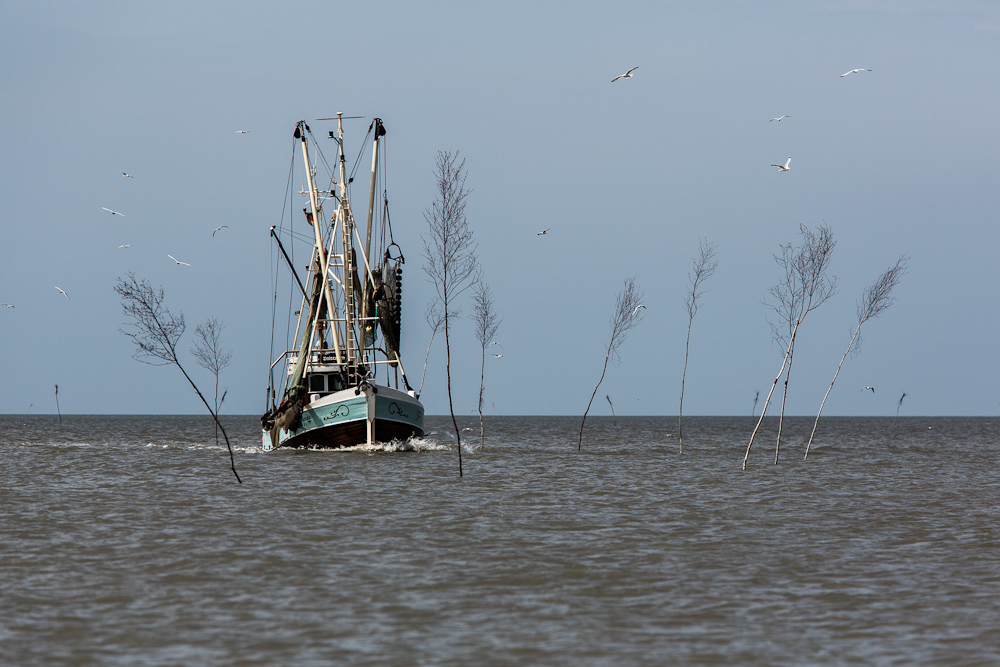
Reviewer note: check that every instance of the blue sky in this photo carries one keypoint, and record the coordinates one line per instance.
(628, 176)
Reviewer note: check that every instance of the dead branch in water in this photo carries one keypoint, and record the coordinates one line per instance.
(804, 288)
(487, 321)
(875, 300)
(156, 332)
(626, 316)
(702, 269)
(450, 254)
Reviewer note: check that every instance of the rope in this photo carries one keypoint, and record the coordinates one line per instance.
(274, 275)
(357, 161)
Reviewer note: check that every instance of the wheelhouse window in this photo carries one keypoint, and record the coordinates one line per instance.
(317, 382)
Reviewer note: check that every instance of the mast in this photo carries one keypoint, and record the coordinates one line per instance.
(347, 223)
(323, 258)
(379, 131)
(368, 283)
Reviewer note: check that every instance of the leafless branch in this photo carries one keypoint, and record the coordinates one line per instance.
(487, 322)
(450, 254)
(154, 329)
(155, 332)
(434, 320)
(207, 350)
(626, 317)
(876, 298)
(898, 406)
(210, 355)
(702, 269)
(804, 288)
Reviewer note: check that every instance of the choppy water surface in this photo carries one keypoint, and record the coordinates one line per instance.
(127, 541)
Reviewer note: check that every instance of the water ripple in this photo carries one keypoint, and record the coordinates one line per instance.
(125, 541)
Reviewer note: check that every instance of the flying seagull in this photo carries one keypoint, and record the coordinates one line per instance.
(626, 75)
(543, 232)
(177, 260)
(496, 342)
(637, 309)
(855, 71)
(784, 167)
(217, 229)
(127, 175)
(125, 246)
(872, 388)
(780, 117)
(113, 212)
(241, 131)
(63, 291)
(498, 356)
(7, 305)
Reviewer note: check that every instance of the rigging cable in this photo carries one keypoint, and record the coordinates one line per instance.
(286, 200)
(319, 151)
(361, 152)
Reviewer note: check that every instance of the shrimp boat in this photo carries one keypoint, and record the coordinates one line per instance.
(340, 385)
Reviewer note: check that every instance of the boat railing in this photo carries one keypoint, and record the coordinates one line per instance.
(324, 357)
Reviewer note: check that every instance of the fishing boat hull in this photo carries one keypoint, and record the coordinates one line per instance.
(349, 418)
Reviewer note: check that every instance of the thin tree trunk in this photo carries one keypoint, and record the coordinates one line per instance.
(426, 357)
(232, 461)
(217, 409)
(482, 377)
(680, 411)
(767, 400)
(829, 389)
(607, 357)
(784, 398)
(451, 407)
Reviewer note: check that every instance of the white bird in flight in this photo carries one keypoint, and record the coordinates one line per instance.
(780, 117)
(636, 310)
(855, 71)
(125, 246)
(217, 229)
(872, 388)
(63, 291)
(241, 131)
(544, 231)
(7, 305)
(127, 175)
(498, 356)
(784, 167)
(113, 212)
(626, 75)
(177, 260)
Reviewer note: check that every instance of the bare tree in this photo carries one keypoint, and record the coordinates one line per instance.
(626, 316)
(156, 332)
(57, 405)
(450, 254)
(701, 270)
(487, 322)
(434, 321)
(875, 300)
(209, 353)
(805, 287)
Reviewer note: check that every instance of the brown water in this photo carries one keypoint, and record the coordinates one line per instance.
(126, 541)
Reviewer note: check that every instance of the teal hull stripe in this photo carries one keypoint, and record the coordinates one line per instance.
(355, 409)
